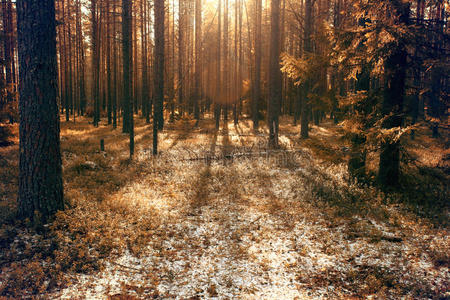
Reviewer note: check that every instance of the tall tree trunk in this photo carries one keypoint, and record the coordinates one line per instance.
(127, 57)
(126, 95)
(81, 72)
(159, 72)
(198, 53)
(392, 108)
(8, 42)
(95, 62)
(282, 50)
(40, 171)
(69, 66)
(181, 28)
(241, 58)
(59, 44)
(417, 71)
(307, 51)
(108, 61)
(134, 61)
(437, 72)
(258, 48)
(217, 105)
(12, 43)
(159, 63)
(171, 64)
(66, 68)
(275, 76)
(145, 92)
(115, 70)
(236, 63)
(226, 81)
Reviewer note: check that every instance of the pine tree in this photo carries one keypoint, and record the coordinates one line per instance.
(395, 66)
(95, 55)
(158, 73)
(40, 171)
(257, 82)
(275, 77)
(198, 51)
(128, 68)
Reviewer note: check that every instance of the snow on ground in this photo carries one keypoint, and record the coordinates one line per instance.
(228, 250)
(249, 229)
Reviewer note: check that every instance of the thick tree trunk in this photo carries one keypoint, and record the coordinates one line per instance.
(40, 172)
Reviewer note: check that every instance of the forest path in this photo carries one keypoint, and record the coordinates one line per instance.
(279, 225)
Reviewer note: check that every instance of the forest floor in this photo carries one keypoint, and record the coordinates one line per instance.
(217, 215)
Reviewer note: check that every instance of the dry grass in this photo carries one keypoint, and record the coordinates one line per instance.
(214, 206)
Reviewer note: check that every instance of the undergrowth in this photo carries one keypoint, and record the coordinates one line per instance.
(98, 224)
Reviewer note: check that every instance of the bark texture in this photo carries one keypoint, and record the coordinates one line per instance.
(158, 119)
(275, 77)
(40, 174)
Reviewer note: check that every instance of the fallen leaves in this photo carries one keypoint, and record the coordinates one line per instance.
(251, 228)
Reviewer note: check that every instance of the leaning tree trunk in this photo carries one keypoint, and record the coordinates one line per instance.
(275, 77)
(40, 172)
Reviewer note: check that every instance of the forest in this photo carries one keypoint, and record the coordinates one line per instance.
(224, 149)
